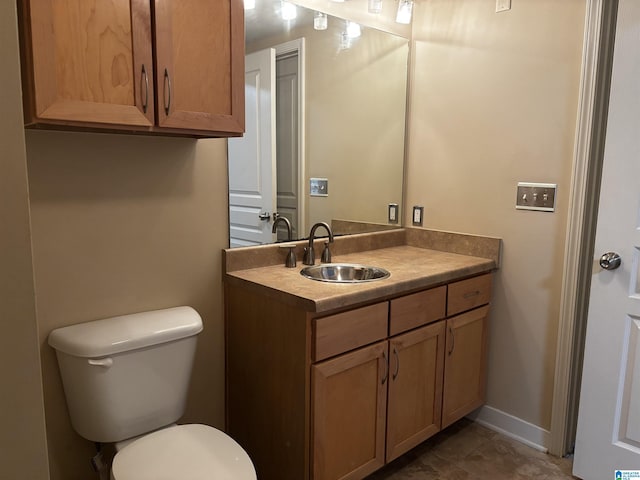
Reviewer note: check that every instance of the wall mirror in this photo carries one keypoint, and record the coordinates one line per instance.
(325, 125)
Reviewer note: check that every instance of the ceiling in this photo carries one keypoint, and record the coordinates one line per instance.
(265, 20)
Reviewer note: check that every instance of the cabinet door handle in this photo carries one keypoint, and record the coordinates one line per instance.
(471, 294)
(453, 341)
(386, 365)
(395, 353)
(167, 92)
(144, 78)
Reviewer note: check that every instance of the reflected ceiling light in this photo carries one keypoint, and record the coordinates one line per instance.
(345, 41)
(249, 4)
(375, 6)
(404, 11)
(288, 10)
(320, 21)
(353, 30)
(338, 1)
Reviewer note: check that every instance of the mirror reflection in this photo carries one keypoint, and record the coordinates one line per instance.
(325, 124)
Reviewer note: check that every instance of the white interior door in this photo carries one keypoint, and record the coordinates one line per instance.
(287, 121)
(252, 158)
(608, 435)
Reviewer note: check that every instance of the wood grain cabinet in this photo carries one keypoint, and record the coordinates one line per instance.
(465, 364)
(349, 406)
(375, 403)
(466, 359)
(336, 397)
(162, 66)
(415, 388)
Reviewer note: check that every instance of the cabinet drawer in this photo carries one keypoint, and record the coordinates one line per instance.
(417, 309)
(468, 294)
(345, 331)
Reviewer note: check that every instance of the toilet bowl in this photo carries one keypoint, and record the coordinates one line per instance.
(193, 452)
(126, 379)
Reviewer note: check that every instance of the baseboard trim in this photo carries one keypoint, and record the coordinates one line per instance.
(513, 427)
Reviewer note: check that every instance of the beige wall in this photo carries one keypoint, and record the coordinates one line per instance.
(23, 448)
(355, 111)
(123, 224)
(494, 102)
(355, 134)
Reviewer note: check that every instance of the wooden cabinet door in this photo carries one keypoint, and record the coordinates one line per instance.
(200, 64)
(416, 364)
(349, 402)
(465, 369)
(87, 61)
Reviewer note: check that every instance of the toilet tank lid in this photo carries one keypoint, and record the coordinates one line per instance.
(126, 332)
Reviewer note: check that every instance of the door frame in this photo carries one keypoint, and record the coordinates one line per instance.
(298, 46)
(597, 57)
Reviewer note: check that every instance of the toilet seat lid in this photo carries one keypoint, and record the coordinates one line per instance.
(185, 452)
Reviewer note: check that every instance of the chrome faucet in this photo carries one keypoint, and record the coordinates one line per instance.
(309, 257)
(286, 222)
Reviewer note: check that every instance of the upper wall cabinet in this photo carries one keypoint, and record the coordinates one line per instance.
(169, 66)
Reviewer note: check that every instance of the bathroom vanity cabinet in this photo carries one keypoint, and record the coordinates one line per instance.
(336, 395)
(165, 67)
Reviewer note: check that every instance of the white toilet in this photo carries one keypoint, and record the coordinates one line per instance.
(125, 379)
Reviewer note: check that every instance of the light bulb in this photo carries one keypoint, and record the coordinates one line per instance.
(345, 41)
(320, 21)
(288, 10)
(353, 30)
(404, 11)
(375, 6)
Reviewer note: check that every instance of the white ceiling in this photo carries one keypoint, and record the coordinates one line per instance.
(265, 20)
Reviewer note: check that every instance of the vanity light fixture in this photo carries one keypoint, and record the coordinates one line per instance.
(405, 8)
(288, 10)
(353, 29)
(320, 21)
(375, 6)
(249, 4)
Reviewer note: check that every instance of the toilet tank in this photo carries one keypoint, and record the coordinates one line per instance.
(128, 375)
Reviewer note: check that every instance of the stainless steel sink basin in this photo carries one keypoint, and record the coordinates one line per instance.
(344, 273)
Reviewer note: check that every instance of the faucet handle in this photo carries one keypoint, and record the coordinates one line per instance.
(326, 254)
(309, 256)
(291, 260)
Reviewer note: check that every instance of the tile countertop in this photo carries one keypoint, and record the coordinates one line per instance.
(412, 268)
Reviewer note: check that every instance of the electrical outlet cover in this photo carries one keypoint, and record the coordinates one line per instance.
(418, 213)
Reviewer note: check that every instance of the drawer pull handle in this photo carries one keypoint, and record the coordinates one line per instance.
(395, 353)
(386, 369)
(471, 294)
(453, 341)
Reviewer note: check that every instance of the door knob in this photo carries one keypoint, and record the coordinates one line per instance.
(610, 261)
(264, 216)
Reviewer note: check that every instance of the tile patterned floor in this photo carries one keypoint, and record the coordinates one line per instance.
(468, 451)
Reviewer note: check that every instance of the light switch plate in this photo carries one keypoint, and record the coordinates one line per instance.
(536, 196)
(503, 5)
(319, 187)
